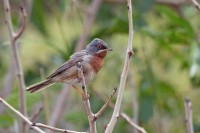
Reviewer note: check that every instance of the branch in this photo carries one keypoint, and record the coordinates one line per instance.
(128, 119)
(129, 53)
(53, 128)
(20, 115)
(196, 4)
(92, 118)
(99, 113)
(123, 115)
(188, 115)
(35, 115)
(86, 101)
(23, 24)
(18, 68)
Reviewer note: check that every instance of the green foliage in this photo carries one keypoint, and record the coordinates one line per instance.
(6, 121)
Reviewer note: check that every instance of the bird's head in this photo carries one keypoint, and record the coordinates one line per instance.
(98, 48)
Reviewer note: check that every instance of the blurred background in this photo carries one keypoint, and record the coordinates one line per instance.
(164, 70)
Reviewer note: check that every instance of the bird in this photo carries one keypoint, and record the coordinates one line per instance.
(91, 59)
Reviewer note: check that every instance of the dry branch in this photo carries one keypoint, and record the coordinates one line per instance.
(99, 113)
(92, 118)
(86, 101)
(20, 115)
(37, 112)
(129, 53)
(196, 4)
(54, 128)
(188, 115)
(123, 115)
(15, 52)
(128, 119)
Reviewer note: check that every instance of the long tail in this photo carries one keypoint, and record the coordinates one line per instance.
(40, 86)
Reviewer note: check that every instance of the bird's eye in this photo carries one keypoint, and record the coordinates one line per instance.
(99, 46)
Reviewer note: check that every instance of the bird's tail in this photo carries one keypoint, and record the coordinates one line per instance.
(40, 86)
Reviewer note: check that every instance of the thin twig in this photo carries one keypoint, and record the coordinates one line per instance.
(86, 101)
(20, 115)
(123, 115)
(132, 123)
(129, 53)
(18, 68)
(99, 113)
(37, 112)
(188, 115)
(53, 128)
(196, 4)
(23, 24)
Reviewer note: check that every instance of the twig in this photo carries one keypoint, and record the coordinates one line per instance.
(35, 115)
(86, 101)
(20, 115)
(123, 115)
(132, 123)
(13, 38)
(129, 53)
(88, 22)
(188, 115)
(99, 113)
(53, 128)
(196, 4)
(92, 118)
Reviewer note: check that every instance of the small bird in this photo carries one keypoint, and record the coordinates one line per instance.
(91, 59)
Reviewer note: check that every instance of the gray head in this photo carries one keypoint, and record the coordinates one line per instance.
(97, 46)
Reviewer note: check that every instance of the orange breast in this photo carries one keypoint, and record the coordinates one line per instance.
(96, 63)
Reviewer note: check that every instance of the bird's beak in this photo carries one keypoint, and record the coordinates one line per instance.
(109, 49)
(103, 50)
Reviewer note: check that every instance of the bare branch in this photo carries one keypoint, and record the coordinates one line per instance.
(132, 123)
(129, 53)
(20, 115)
(35, 115)
(23, 24)
(99, 113)
(86, 101)
(53, 128)
(123, 115)
(188, 115)
(196, 4)
(16, 58)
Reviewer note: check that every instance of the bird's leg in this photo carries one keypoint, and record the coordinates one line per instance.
(78, 90)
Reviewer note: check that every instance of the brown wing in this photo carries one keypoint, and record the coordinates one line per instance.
(76, 57)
